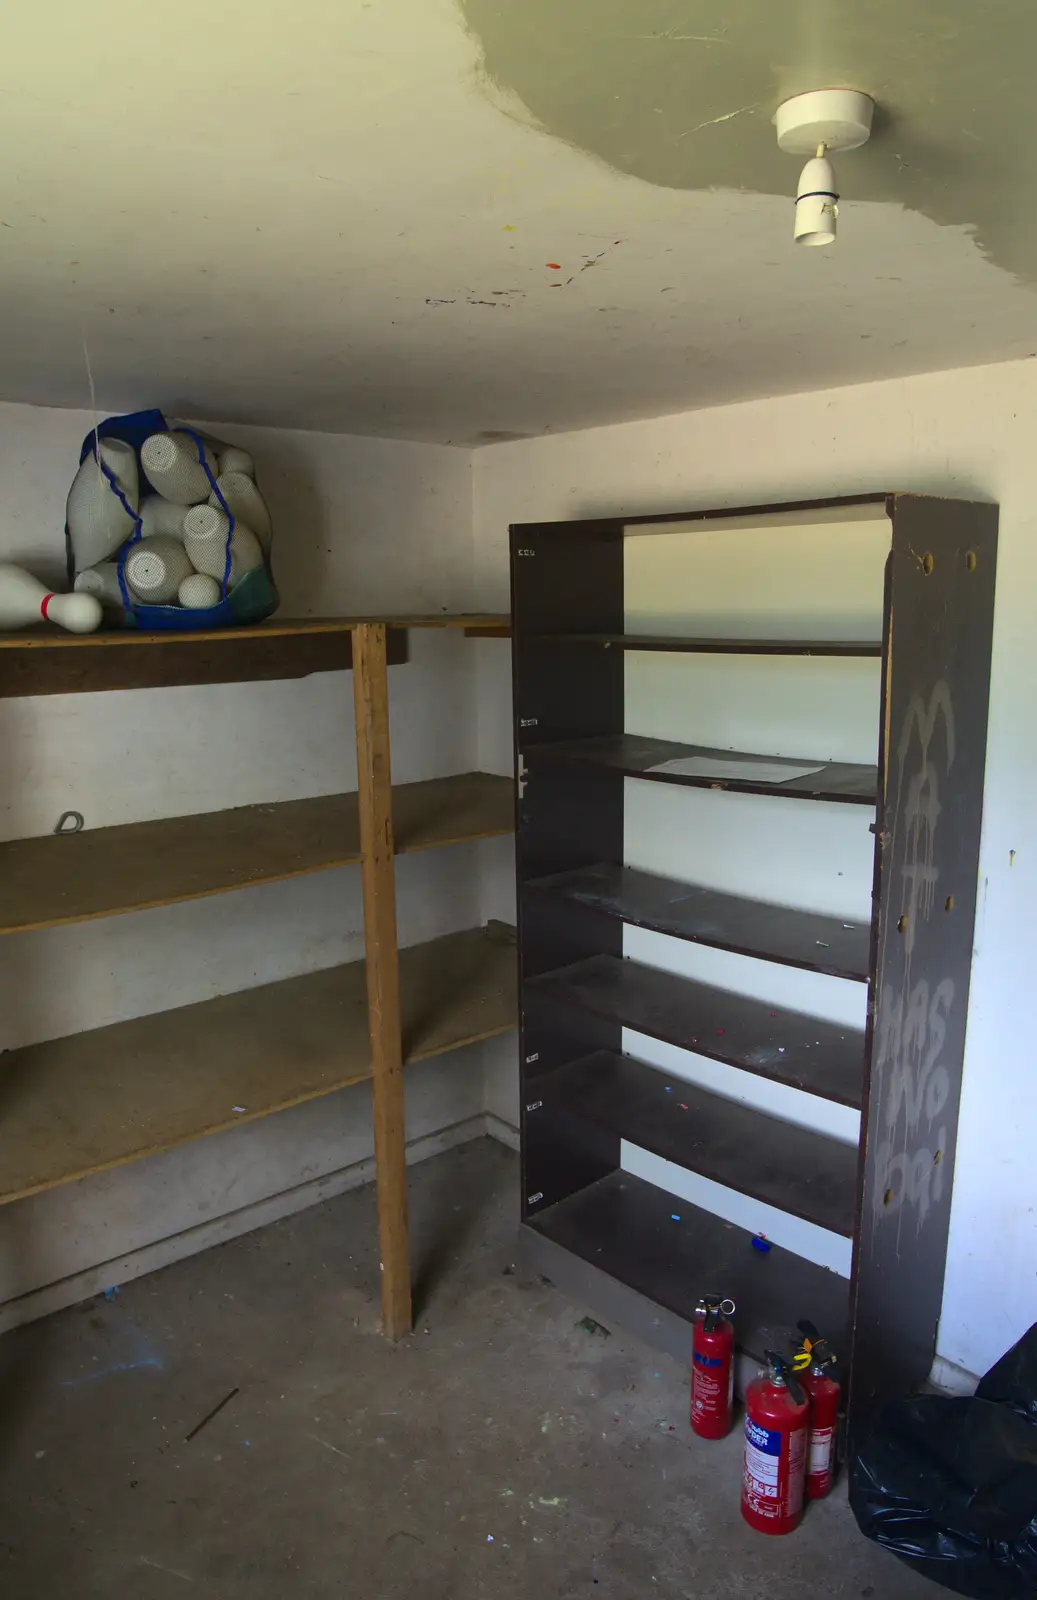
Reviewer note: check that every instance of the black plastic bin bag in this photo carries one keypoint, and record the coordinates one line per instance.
(950, 1485)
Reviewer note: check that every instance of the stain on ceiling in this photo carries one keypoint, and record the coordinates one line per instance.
(681, 93)
(477, 221)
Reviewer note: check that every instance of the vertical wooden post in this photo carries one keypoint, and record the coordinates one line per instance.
(371, 696)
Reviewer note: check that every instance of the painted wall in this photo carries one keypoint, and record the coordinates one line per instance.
(361, 525)
(968, 434)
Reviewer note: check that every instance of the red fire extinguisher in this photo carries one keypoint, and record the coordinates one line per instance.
(712, 1367)
(777, 1416)
(814, 1365)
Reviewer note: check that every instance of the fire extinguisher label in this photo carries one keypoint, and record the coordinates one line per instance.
(762, 1454)
(706, 1361)
(820, 1459)
(797, 1471)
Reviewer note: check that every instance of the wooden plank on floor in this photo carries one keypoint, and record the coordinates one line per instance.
(101, 872)
(81, 1105)
(374, 776)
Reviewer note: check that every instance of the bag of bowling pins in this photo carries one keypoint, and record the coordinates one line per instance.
(167, 527)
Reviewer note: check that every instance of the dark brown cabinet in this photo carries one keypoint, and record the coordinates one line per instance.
(621, 1243)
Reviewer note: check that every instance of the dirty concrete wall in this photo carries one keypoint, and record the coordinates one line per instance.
(965, 433)
(361, 525)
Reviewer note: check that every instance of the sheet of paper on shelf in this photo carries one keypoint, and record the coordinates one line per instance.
(717, 767)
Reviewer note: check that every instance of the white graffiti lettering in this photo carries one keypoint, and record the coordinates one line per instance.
(911, 1025)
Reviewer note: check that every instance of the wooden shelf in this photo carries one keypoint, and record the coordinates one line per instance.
(805, 1173)
(636, 756)
(49, 661)
(102, 872)
(788, 1047)
(724, 921)
(684, 643)
(627, 1229)
(96, 1100)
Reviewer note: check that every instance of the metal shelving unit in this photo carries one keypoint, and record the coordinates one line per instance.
(610, 1236)
(95, 1100)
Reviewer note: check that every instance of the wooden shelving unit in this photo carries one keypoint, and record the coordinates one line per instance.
(623, 1245)
(95, 1100)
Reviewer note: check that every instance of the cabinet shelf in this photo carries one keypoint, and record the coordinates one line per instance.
(46, 882)
(808, 1174)
(586, 715)
(688, 644)
(92, 1101)
(789, 1047)
(627, 1229)
(724, 921)
(636, 757)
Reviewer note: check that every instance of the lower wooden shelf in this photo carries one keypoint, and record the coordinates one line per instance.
(670, 1252)
(102, 872)
(83, 1104)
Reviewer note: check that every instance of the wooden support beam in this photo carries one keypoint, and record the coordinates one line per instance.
(371, 695)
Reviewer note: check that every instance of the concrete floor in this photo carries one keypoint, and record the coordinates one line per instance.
(501, 1450)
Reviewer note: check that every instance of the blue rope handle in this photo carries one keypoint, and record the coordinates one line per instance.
(199, 445)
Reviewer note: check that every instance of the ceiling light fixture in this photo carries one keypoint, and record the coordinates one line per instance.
(812, 125)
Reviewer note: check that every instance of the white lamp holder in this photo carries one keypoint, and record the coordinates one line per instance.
(840, 119)
(812, 125)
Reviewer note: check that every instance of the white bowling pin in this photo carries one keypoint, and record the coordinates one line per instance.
(234, 460)
(199, 592)
(205, 536)
(97, 519)
(24, 600)
(155, 569)
(170, 461)
(246, 504)
(102, 581)
(159, 515)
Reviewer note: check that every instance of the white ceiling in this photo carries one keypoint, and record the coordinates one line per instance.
(341, 214)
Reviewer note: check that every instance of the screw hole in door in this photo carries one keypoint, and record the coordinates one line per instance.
(902, 925)
(887, 1198)
(970, 561)
(928, 563)
(948, 904)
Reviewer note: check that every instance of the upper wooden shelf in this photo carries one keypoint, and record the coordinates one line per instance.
(49, 661)
(102, 872)
(83, 1104)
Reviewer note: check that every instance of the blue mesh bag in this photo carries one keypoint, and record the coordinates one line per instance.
(113, 498)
